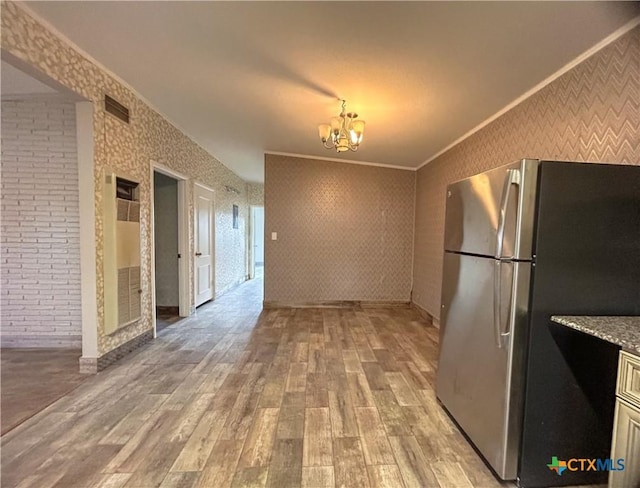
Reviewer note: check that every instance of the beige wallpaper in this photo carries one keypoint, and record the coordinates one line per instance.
(256, 194)
(344, 231)
(591, 113)
(130, 148)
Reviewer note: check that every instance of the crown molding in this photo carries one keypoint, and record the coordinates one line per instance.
(567, 67)
(336, 160)
(56, 32)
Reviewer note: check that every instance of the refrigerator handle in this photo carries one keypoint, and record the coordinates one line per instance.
(497, 302)
(513, 178)
(498, 332)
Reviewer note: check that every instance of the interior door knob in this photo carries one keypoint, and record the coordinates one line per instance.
(198, 254)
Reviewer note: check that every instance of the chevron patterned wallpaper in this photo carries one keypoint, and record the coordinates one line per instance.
(345, 231)
(591, 113)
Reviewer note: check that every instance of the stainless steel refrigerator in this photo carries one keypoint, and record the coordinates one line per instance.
(523, 242)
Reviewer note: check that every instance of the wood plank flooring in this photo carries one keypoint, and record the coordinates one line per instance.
(239, 397)
(32, 379)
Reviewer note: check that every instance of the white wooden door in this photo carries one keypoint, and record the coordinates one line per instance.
(204, 240)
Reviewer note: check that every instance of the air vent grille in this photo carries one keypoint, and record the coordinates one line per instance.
(129, 303)
(127, 211)
(116, 109)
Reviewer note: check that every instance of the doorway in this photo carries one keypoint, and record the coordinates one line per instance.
(165, 200)
(170, 240)
(42, 135)
(257, 242)
(204, 231)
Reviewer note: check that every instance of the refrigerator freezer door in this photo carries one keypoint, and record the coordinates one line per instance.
(478, 382)
(474, 207)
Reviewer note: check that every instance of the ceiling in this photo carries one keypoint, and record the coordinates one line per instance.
(244, 78)
(16, 82)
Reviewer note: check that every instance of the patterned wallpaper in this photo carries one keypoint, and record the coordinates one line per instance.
(591, 113)
(231, 244)
(130, 148)
(256, 194)
(344, 231)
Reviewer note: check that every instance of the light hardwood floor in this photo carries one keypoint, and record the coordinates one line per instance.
(237, 397)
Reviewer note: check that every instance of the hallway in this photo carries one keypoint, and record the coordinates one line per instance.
(234, 396)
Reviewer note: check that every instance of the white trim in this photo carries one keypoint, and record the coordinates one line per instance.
(251, 253)
(183, 241)
(567, 67)
(252, 236)
(159, 168)
(87, 195)
(55, 31)
(184, 305)
(44, 78)
(336, 160)
(202, 185)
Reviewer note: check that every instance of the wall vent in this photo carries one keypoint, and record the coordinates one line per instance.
(129, 303)
(116, 109)
(121, 252)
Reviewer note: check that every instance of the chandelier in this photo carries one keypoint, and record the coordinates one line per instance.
(344, 132)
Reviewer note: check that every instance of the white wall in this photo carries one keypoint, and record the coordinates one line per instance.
(166, 240)
(40, 244)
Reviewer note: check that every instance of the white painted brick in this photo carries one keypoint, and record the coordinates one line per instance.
(40, 269)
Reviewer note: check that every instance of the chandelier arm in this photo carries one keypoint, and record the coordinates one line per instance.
(327, 144)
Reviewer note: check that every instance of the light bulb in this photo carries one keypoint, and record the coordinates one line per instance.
(336, 124)
(357, 131)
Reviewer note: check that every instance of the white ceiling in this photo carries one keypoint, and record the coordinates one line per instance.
(16, 82)
(242, 78)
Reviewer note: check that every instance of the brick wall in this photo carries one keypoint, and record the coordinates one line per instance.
(40, 252)
(129, 149)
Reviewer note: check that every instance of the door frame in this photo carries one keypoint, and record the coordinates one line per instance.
(212, 226)
(88, 275)
(252, 238)
(184, 306)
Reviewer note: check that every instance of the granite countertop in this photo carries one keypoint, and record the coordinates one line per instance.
(623, 331)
